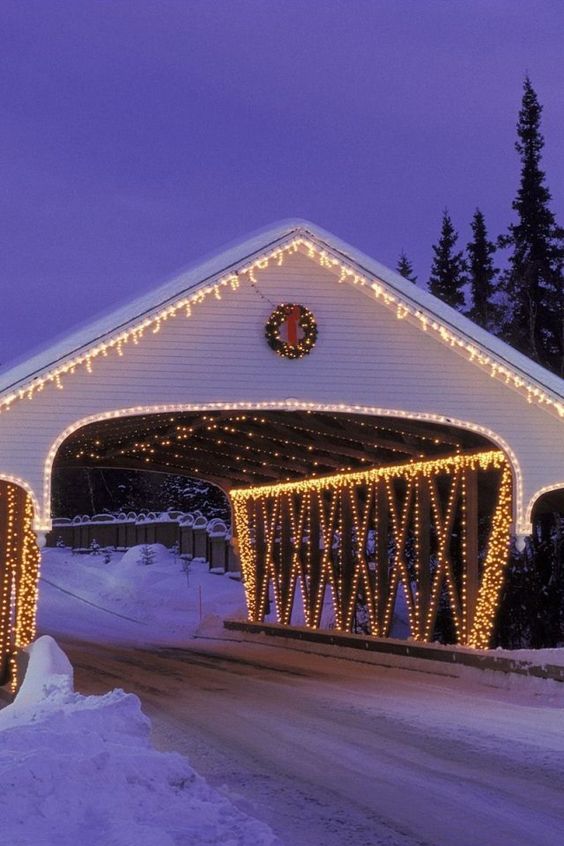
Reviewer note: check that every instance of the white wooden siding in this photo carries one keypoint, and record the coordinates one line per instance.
(364, 356)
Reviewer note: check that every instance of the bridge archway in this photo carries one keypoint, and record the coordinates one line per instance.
(423, 429)
(424, 488)
(290, 320)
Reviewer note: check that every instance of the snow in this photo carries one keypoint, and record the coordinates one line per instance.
(376, 749)
(332, 752)
(48, 665)
(81, 769)
(126, 601)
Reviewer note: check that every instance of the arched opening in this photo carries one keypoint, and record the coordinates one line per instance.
(420, 523)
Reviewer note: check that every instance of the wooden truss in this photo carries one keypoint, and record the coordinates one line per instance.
(349, 544)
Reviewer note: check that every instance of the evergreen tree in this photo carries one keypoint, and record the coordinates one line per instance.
(448, 270)
(533, 282)
(405, 268)
(147, 554)
(482, 274)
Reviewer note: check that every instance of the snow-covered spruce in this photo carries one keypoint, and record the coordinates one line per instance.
(81, 769)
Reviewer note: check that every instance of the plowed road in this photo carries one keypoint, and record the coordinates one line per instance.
(335, 753)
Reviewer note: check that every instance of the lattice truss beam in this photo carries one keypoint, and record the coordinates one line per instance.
(323, 550)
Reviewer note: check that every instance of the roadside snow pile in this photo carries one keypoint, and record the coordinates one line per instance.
(129, 601)
(81, 769)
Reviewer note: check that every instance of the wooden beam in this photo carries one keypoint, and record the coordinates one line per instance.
(364, 436)
(322, 453)
(423, 541)
(382, 554)
(471, 563)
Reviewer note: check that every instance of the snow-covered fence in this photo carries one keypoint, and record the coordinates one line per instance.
(193, 535)
(200, 530)
(157, 528)
(186, 539)
(218, 544)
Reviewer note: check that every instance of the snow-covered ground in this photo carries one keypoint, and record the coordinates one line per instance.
(324, 752)
(81, 769)
(341, 753)
(126, 601)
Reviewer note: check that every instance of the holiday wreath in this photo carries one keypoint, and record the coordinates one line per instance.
(294, 316)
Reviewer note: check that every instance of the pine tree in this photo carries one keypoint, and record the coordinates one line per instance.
(482, 275)
(533, 282)
(405, 268)
(448, 270)
(147, 555)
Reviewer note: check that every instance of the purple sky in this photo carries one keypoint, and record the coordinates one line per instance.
(138, 135)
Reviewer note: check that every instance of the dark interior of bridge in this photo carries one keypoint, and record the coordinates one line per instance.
(244, 448)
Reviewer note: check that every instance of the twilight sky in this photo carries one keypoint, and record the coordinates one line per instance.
(139, 135)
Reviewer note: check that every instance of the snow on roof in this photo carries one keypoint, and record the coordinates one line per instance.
(235, 255)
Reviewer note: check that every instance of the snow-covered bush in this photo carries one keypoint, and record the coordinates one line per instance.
(147, 555)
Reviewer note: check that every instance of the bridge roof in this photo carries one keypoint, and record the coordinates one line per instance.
(235, 256)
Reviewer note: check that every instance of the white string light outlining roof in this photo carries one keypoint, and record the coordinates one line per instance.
(243, 265)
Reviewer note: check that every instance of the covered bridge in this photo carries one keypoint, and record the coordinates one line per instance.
(370, 438)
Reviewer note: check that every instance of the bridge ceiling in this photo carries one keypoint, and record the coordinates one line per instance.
(246, 448)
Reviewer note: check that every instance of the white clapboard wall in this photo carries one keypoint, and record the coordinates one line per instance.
(364, 357)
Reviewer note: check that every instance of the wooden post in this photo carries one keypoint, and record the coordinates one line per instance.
(315, 558)
(4, 582)
(471, 562)
(287, 582)
(347, 561)
(261, 572)
(423, 551)
(382, 558)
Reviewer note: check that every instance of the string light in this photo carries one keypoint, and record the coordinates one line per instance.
(536, 496)
(296, 348)
(22, 483)
(407, 471)
(42, 520)
(333, 495)
(494, 566)
(18, 590)
(317, 251)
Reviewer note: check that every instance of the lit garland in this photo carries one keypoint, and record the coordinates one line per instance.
(305, 319)
(185, 305)
(19, 575)
(43, 523)
(449, 464)
(494, 567)
(332, 495)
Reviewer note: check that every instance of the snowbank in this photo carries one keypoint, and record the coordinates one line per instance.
(128, 602)
(81, 769)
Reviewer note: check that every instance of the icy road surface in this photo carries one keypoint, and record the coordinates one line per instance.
(335, 753)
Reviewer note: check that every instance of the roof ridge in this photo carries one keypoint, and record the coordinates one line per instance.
(248, 256)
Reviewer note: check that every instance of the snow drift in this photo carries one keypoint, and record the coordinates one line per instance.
(81, 769)
(126, 601)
